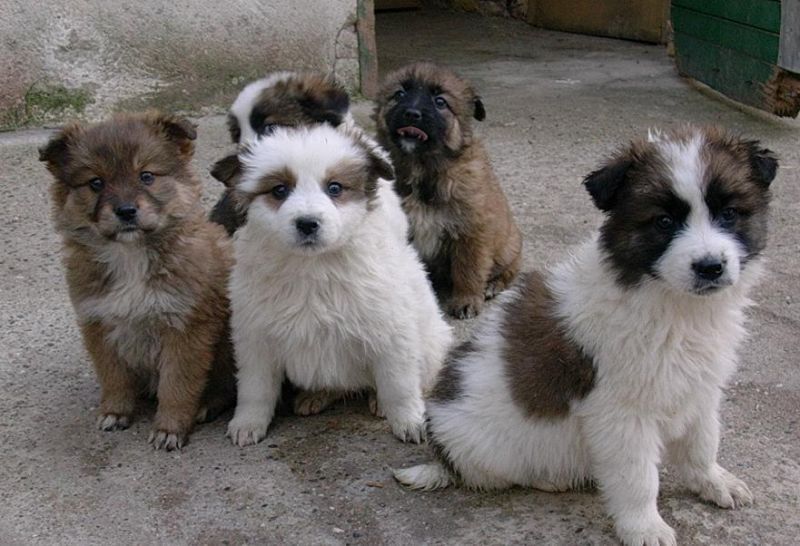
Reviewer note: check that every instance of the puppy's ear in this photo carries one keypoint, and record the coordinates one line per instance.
(56, 152)
(234, 129)
(227, 170)
(479, 111)
(179, 130)
(326, 105)
(604, 184)
(379, 163)
(763, 163)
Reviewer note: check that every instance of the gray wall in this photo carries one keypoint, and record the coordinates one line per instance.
(98, 55)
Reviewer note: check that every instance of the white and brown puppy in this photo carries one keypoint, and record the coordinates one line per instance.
(617, 357)
(326, 290)
(147, 273)
(282, 99)
(461, 223)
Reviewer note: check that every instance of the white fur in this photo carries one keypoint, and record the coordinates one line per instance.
(243, 104)
(662, 354)
(355, 312)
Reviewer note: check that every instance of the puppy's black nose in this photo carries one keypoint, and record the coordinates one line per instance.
(709, 269)
(126, 212)
(412, 114)
(307, 225)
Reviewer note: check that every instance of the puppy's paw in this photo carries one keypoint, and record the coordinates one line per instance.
(245, 431)
(646, 531)
(725, 490)
(409, 431)
(493, 288)
(313, 402)
(374, 407)
(113, 421)
(167, 440)
(465, 308)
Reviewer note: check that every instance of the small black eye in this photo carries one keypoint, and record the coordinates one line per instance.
(728, 215)
(96, 184)
(147, 178)
(280, 192)
(268, 129)
(335, 189)
(665, 222)
(440, 102)
(400, 94)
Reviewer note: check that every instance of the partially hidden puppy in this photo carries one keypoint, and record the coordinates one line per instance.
(147, 273)
(617, 357)
(461, 223)
(282, 99)
(326, 290)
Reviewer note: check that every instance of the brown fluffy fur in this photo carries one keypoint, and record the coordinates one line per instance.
(152, 303)
(452, 196)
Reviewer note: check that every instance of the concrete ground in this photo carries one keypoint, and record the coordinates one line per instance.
(557, 104)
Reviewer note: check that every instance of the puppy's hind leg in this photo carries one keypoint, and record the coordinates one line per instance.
(314, 402)
(425, 477)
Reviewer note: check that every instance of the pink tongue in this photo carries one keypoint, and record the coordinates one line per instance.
(414, 132)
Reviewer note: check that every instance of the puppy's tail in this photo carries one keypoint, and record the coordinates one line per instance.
(425, 476)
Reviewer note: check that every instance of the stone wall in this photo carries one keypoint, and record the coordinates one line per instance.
(88, 57)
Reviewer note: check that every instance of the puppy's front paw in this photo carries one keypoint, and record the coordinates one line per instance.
(245, 431)
(168, 440)
(646, 531)
(465, 308)
(113, 421)
(409, 431)
(725, 490)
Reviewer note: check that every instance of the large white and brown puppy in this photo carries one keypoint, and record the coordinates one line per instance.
(326, 290)
(617, 357)
(147, 273)
(461, 223)
(282, 99)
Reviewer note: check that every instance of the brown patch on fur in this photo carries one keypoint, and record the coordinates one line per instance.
(479, 245)
(152, 305)
(546, 370)
(448, 381)
(264, 189)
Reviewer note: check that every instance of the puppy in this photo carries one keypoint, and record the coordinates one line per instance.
(147, 273)
(461, 224)
(282, 99)
(618, 356)
(326, 290)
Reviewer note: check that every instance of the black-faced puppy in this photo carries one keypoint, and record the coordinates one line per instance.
(618, 357)
(147, 273)
(282, 99)
(461, 223)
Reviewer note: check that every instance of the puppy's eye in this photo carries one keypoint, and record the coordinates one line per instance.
(96, 184)
(268, 129)
(335, 189)
(665, 222)
(280, 192)
(440, 102)
(400, 94)
(728, 215)
(147, 178)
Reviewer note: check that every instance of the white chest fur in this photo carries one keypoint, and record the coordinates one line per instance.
(429, 225)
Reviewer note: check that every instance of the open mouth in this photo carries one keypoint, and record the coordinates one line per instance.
(413, 132)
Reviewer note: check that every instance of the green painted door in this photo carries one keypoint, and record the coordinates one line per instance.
(733, 46)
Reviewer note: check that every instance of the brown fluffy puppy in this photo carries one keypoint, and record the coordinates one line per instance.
(282, 99)
(147, 273)
(461, 223)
